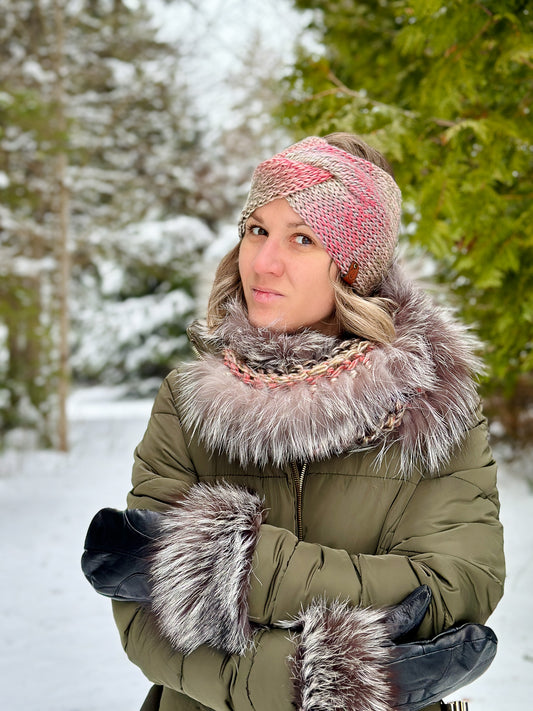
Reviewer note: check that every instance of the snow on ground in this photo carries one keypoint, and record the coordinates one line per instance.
(60, 650)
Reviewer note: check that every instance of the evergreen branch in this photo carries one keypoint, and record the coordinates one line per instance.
(485, 9)
(459, 53)
(340, 86)
(519, 196)
(320, 95)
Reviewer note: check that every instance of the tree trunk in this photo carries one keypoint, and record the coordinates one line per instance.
(62, 242)
(63, 305)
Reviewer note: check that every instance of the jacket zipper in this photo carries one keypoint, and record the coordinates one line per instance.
(298, 476)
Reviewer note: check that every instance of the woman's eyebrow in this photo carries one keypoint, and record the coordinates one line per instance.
(256, 215)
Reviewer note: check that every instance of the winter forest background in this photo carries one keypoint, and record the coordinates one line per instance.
(128, 133)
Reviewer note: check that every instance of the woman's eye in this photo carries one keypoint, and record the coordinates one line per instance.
(303, 239)
(256, 230)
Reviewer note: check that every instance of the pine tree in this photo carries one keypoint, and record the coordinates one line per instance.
(446, 91)
(96, 133)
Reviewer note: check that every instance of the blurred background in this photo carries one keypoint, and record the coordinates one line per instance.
(129, 130)
(128, 133)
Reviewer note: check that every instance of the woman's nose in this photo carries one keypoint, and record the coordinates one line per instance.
(268, 259)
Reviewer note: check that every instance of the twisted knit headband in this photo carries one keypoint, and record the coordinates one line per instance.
(352, 205)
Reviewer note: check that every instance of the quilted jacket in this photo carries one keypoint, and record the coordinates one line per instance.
(298, 509)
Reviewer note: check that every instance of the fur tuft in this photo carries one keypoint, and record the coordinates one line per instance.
(429, 368)
(201, 570)
(340, 663)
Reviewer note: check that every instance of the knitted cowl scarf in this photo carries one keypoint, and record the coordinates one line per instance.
(264, 397)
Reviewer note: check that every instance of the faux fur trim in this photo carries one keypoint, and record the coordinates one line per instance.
(201, 570)
(429, 368)
(340, 662)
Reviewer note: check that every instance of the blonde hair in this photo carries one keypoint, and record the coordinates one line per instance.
(226, 286)
(368, 317)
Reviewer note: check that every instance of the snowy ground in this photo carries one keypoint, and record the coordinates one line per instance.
(60, 650)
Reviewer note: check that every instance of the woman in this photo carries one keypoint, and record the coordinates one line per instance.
(323, 458)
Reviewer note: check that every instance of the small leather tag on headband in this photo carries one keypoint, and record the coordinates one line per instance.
(351, 274)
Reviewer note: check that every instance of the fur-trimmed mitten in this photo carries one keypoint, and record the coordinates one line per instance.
(202, 566)
(340, 659)
(360, 659)
(343, 652)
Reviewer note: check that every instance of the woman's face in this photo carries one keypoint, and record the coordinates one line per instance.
(285, 271)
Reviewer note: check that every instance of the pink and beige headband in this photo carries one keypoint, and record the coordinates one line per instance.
(352, 205)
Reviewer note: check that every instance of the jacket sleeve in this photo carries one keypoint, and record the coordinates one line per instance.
(162, 470)
(216, 679)
(337, 658)
(447, 536)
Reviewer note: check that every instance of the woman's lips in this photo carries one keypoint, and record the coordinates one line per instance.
(265, 296)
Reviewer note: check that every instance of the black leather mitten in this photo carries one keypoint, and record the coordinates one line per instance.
(425, 671)
(118, 552)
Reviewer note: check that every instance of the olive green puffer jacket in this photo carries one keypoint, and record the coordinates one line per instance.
(365, 536)
(364, 527)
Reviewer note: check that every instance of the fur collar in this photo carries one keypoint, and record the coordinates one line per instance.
(425, 375)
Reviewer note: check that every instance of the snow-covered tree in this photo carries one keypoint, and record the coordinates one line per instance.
(132, 311)
(96, 133)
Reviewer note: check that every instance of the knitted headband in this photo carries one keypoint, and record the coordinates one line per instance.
(352, 205)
